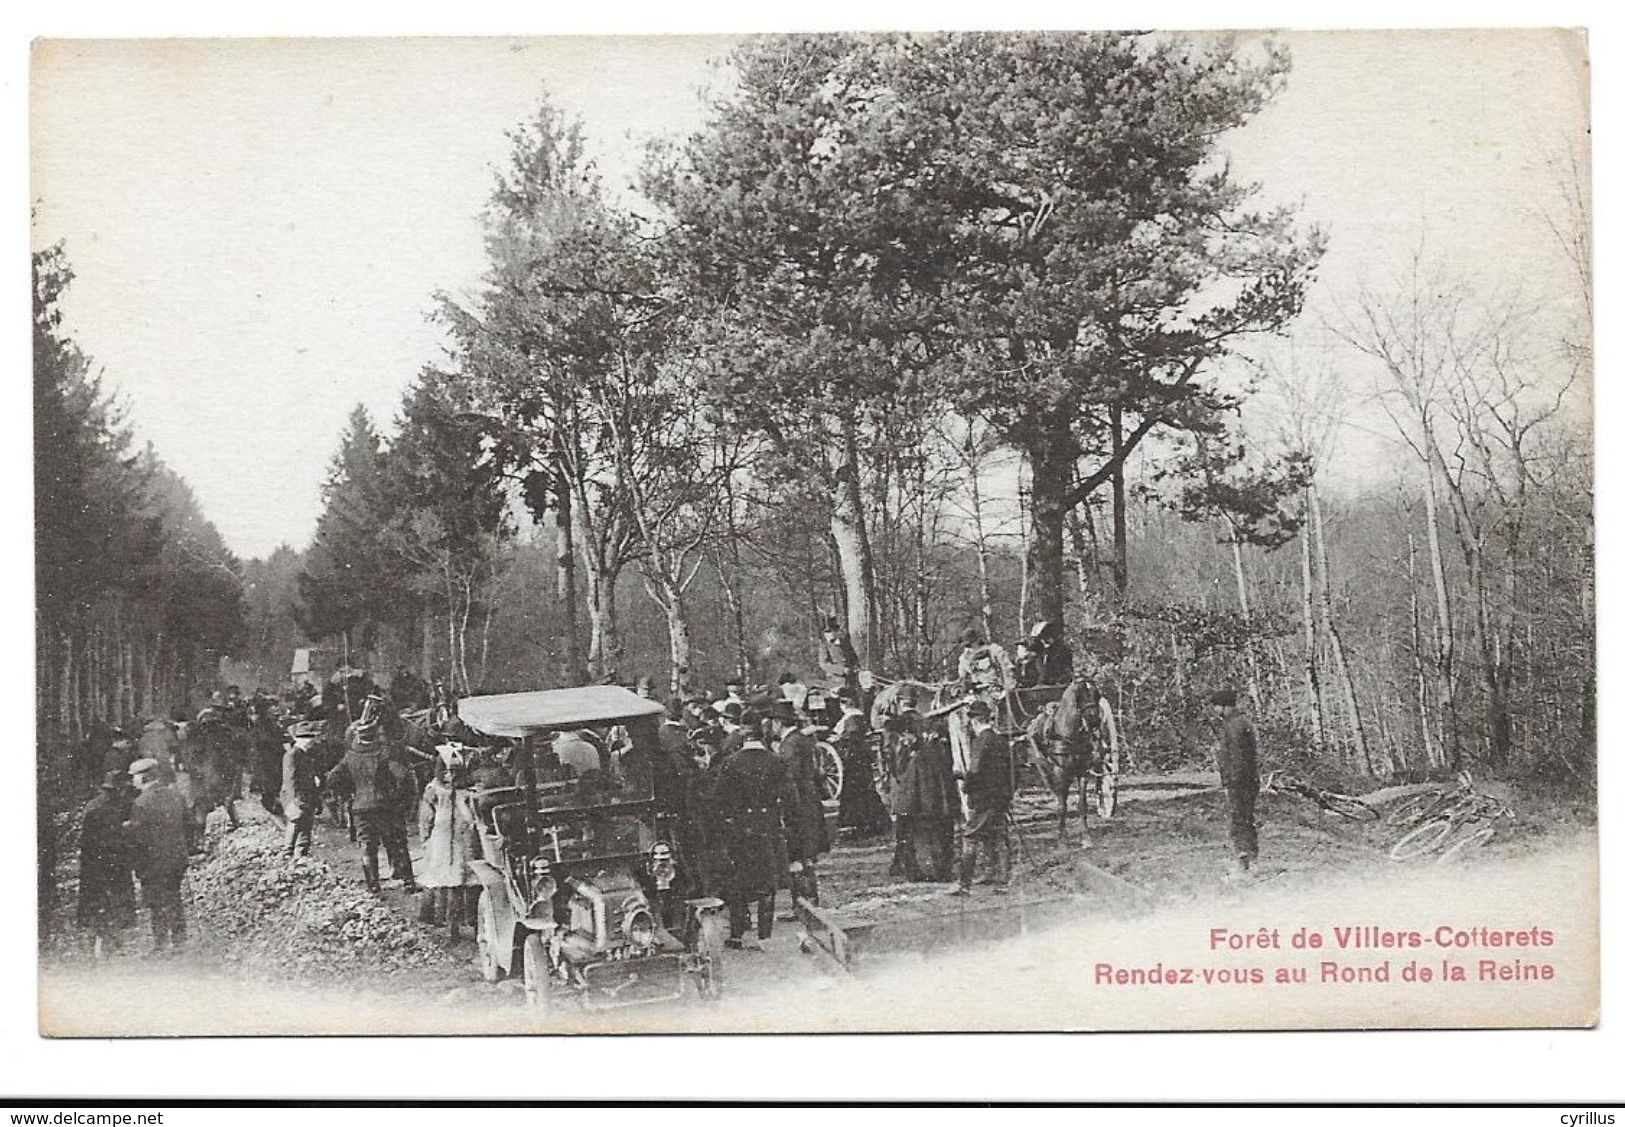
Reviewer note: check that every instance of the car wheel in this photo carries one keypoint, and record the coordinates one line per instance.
(538, 975)
(485, 940)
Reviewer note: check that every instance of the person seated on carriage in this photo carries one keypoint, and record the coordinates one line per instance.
(793, 689)
(985, 669)
(1053, 657)
(1029, 666)
(733, 690)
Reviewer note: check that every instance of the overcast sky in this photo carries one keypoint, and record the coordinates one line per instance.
(258, 227)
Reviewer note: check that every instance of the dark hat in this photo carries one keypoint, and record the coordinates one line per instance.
(971, 635)
(733, 710)
(845, 693)
(1224, 698)
(114, 780)
(979, 708)
(784, 712)
(788, 677)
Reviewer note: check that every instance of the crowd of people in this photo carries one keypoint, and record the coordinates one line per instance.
(739, 779)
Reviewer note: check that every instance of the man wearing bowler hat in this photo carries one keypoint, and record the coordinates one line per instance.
(1238, 773)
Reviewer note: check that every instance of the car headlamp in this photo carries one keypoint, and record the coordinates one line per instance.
(542, 884)
(638, 924)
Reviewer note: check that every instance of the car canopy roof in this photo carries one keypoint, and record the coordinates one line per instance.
(525, 714)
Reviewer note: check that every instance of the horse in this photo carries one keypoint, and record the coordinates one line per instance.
(1074, 739)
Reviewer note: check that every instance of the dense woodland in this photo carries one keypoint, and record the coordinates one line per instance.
(918, 332)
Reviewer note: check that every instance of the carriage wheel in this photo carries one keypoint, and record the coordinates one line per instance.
(1110, 763)
(831, 770)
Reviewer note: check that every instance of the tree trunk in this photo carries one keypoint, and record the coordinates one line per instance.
(1444, 633)
(727, 583)
(1119, 506)
(1419, 674)
(426, 644)
(1311, 648)
(1245, 605)
(847, 527)
(571, 666)
(1338, 660)
(604, 649)
(1052, 461)
(682, 661)
(1023, 512)
(984, 588)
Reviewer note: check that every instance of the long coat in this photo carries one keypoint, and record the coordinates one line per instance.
(753, 793)
(1238, 753)
(446, 823)
(987, 781)
(106, 892)
(925, 789)
(301, 782)
(157, 832)
(804, 818)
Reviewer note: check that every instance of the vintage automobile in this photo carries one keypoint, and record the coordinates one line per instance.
(581, 893)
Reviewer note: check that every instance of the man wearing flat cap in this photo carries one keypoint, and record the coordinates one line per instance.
(1238, 774)
(158, 850)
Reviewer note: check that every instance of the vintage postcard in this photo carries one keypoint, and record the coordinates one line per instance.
(800, 533)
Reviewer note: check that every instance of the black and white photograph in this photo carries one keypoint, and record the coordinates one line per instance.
(972, 531)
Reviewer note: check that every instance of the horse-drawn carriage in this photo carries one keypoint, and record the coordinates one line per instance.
(1067, 734)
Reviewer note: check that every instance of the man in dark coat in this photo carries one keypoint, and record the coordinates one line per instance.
(266, 739)
(753, 794)
(364, 773)
(106, 890)
(1238, 774)
(987, 797)
(925, 803)
(301, 788)
(808, 833)
(158, 847)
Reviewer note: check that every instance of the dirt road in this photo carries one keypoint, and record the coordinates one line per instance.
(1167, 841)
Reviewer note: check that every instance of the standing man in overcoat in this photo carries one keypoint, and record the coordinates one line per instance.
(1238, 774)
(158, 848)
(106, 891)
(364, 774)
(809, 834)
(753, 794)
(987, 799)
(925, 803)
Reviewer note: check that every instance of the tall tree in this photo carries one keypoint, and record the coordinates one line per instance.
(351, 584)
(1105, 255)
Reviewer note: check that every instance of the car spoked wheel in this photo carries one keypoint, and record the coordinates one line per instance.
(831, 769)
(1110, 763)
(485, 933)
(538, 975)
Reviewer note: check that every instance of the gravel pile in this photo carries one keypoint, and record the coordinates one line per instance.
(273, 919)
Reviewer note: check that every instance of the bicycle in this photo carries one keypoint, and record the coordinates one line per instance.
(1343, 805)
(1428, 804)
(1450, 832)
